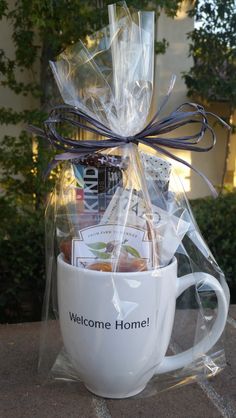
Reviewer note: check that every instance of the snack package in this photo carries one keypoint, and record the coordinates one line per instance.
(135, 302)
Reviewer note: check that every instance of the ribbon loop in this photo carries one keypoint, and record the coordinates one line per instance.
(187, 114)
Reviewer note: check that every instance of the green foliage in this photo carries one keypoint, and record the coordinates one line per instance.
(21, 264)
(217, 222)
(161, 46)
(213, 48)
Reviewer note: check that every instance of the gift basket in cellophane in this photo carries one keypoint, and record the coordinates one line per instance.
(135, 302)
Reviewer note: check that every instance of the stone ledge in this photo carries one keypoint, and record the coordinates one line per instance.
(22, 396)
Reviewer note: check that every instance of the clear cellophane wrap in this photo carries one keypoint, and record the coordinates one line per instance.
(135, 302)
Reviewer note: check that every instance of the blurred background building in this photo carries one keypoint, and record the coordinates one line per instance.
(176, 60)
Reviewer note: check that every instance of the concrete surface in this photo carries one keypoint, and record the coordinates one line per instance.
(22, 395)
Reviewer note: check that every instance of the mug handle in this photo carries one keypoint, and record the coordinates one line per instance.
(183, 359)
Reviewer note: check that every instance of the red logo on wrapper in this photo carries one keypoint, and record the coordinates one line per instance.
(79, 194)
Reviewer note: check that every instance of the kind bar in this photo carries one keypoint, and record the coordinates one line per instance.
(98, 177)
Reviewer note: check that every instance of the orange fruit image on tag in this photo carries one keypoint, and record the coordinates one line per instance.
(132, 265)
(100, 267)
(124, 266)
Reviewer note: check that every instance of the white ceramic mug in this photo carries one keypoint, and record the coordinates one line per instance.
(116, 327)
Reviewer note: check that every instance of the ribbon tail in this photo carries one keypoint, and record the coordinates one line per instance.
(36, 131)
(66, 156)
(53, 164)
(220, 120)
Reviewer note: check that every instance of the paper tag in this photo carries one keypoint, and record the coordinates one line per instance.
(105, 243)
(126, 207)
(124, 223)
(130, 209)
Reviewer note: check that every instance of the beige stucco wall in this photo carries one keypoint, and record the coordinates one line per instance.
(8, 98)
(231, 163)
(175, 61)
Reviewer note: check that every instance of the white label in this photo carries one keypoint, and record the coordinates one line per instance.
(106, 242)
(119, 325)
(125, 227)
(126, 207)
